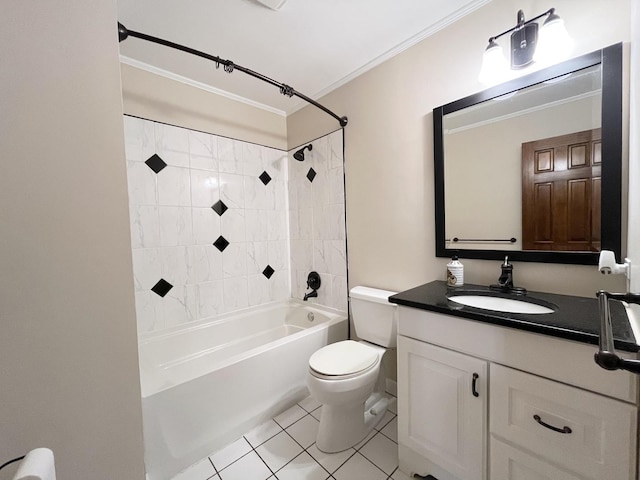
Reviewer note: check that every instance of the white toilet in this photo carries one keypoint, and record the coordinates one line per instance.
(347, 378)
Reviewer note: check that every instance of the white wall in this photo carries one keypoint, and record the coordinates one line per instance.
(68, 356)
(389, 146)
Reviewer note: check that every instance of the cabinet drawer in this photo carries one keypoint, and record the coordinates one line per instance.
(586, 433)
(510, 463)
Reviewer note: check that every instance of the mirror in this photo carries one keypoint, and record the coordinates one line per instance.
(532, 167)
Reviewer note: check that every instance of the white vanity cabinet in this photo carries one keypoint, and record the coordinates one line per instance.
(543, 410)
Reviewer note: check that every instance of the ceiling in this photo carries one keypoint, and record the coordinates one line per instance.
(314, 46)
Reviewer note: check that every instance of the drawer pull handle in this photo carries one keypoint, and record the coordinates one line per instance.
(473, 385)
(564, 429)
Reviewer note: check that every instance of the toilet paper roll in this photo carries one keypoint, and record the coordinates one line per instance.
(38, 464)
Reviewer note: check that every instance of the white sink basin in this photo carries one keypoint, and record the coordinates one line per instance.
(499, 304)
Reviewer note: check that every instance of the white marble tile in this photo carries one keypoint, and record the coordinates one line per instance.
(229, 454)
(176, 264)
(302, 255)
(290, 416)
(172, 144)
(339, 293)
(336, 222)
(203, 151)
(145, 226)
(179, 305)
(174, 187)
(321, 227)
(232, 190)
(232, 225)
(207, 263)
(254, 193)
(203, 470)
(303, 467)
(205, 191)
(257, 257)
(325, 292)
(336, 149)
(147, 268)
(303, 198)
(336, 186)
(276, 225)
(275, 162)
(252, 159)
(235, 293)
(262, 433)
(206, 226)
(258, 289)
(209, 296)
(359, 468)
(148, 312)
(256, 225)
(141, 182)
(337, 257)
(139, 139)
(175, 226)
(279, 451)
(330, 461)
(278, 255)
(229, 155)
(321, 256)
(280, 198)
(320, 189)
(305, 223)
(234, 260)
(279, 286)
(304, 431)
(248, 467)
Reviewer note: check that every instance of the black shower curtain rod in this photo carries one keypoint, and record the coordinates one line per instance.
(229, 67)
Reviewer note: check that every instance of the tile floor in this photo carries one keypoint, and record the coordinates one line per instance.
(284, 449)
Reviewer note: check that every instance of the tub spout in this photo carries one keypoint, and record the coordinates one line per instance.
(313, 293)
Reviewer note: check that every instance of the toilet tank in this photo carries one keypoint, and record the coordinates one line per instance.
(374, 318)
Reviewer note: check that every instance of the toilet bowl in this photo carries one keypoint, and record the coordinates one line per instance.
(347, 377)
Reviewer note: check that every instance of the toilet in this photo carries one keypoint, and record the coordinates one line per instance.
(347, 377)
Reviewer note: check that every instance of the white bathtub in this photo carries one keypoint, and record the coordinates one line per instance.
(206, 385)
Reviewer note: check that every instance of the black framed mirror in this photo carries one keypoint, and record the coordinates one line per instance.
(532, 168)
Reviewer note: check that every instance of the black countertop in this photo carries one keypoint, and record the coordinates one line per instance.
(574, 318)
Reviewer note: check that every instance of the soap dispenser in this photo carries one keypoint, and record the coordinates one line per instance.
(455, 272)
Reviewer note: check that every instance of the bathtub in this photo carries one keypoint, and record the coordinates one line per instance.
(205, 385)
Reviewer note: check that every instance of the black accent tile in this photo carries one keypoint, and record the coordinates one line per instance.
(219, 207)
(162, 287)
(264, 178)
(221, 243)
(267, 272)
(155, 163)
(311, 174)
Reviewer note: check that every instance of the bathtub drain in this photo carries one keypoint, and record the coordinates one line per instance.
(310, 316)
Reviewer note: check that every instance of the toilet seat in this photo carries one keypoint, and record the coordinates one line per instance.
(343, 360)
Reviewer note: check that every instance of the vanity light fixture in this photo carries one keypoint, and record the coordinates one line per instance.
(552, 44)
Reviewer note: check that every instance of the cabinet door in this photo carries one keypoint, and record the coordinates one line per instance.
(442, 407)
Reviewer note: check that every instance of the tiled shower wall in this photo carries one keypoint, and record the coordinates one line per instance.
(210, 232)
(209, 226)
(317, 220)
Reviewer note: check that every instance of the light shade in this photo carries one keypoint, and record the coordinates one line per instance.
(494, 65)
(554, 43)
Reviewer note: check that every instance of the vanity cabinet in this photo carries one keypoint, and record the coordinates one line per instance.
(544, 409)
(440, 389)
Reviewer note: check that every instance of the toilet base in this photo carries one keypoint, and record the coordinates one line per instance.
(342, 427)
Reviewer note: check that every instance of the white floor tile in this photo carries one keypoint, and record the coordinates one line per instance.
(278, 451)
(317, 413)
(303, 467)
(360, 444)
(248, 467)
(391, 430)
(202, 470)
(382, 452)
(398, 475)
(230, 453)
(310, 404)
(290, 416)
(388, 416)
(304, 431)
(330, 461)
(262, 433)
(359, 468)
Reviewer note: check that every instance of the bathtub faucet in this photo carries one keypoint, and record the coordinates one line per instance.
(313, 282)
(314, 293)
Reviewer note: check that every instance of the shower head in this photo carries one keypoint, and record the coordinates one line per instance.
(299, 155)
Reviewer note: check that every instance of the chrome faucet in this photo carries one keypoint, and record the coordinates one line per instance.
(505, 281)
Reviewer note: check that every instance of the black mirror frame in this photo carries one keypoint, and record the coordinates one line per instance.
(611, 222)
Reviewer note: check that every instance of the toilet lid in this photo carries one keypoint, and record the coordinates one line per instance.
(343, 358)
